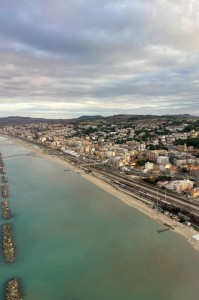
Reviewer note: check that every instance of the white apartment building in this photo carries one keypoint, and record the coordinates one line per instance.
(162, 160)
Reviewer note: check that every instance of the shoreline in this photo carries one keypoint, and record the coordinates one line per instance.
(180, 228)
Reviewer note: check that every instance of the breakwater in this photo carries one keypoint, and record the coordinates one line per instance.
(4, 179)
(5, 209)
(4, 191)
(1, 162)
(13, 290)
(12, 286)
(2, 170)
(8, 247)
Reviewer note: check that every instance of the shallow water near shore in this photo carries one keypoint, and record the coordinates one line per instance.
(74, 241)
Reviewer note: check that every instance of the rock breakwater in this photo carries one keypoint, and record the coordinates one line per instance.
(7, 244)
(4, 179)
(2, 170)
(5, 209)
(13, 290)
(4, 191)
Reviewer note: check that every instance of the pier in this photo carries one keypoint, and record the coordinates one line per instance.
(5, 209)
(15, 155)
(8, 247)
(13, 290)
(166, 228)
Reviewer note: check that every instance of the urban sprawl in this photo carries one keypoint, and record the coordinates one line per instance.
(160, 154)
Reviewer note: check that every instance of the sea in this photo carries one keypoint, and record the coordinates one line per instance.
(74, 241)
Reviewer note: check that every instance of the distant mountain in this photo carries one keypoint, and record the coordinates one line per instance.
(180, 116)
(125, 119)
(15, 120)
(88, 118)
(121, 118)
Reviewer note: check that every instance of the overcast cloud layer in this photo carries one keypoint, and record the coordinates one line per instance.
(62, 59)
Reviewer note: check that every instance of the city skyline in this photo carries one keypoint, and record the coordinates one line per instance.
(64, 60)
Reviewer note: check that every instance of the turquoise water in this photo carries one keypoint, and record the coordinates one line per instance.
(74, 241)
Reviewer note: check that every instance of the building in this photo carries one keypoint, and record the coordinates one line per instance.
(152, 155)
(194, 171)
(179, 162)
(171, 171)
(162, 160)
(195, 193)
(117, 162)
(164, 168)
(149, 166)
(180, 186)
(182, 148)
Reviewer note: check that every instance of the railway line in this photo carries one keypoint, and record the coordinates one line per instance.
(151, 187)
(152, 192)
(167, 201)
(164, 199)
(160, 200)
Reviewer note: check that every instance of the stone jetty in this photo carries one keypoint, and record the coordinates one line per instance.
(5, 209)
(4, 179)
(8, 247)
(2, 170)
(4, 191)
(1, 161)
(13, 290)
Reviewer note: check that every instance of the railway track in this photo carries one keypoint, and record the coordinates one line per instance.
(169, 202)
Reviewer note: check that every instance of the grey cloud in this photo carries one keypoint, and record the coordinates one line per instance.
(138, 56)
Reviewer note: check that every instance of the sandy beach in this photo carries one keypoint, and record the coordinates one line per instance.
(180, 228)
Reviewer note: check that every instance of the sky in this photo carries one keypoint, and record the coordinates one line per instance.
(63, 59)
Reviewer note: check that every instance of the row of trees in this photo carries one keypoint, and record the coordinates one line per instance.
(189, 142)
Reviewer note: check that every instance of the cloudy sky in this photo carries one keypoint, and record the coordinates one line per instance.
(61, 58)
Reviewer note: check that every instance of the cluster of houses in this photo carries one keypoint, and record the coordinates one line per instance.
(124, 148)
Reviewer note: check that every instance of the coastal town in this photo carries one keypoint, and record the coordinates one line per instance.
(155, 163)
(163, 152)
(155, 159)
